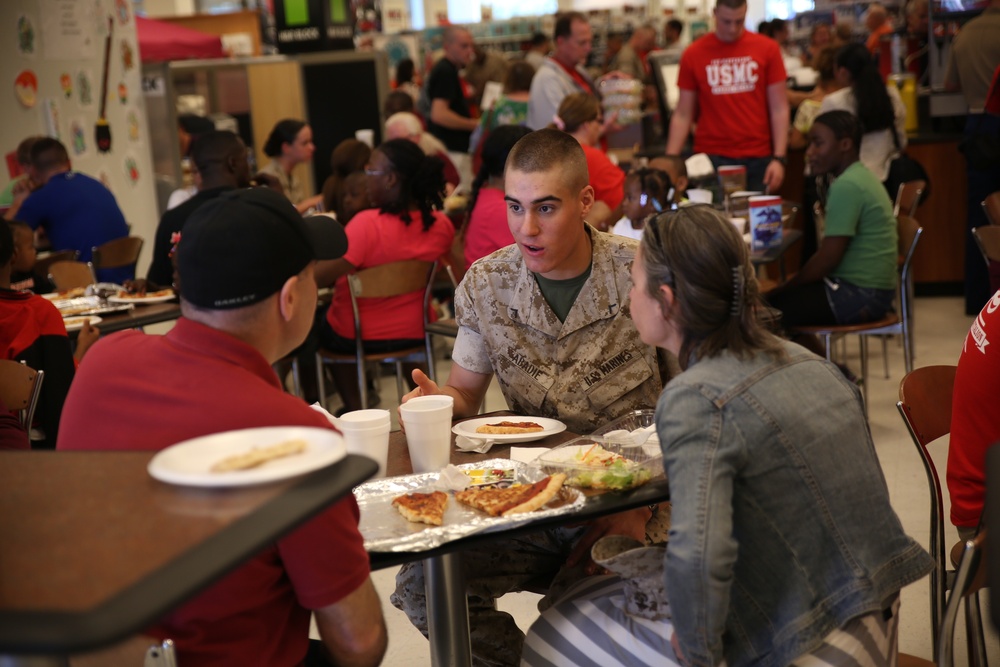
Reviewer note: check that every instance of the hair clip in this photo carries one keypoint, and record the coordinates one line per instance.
(656, 205)
(558, 122)
(738, 283)
(643, 198)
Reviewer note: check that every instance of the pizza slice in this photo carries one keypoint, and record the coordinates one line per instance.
(422, 507)
(509, 428)
(514, 499)
(259, 456)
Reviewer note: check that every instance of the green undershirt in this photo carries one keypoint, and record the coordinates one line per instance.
(561, 294)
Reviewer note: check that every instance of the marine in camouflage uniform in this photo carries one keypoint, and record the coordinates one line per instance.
(585, 371)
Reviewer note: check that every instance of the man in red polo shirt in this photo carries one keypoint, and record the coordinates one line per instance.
(246, 266)
(732, 83)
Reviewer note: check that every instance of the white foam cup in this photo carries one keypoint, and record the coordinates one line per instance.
(740, 224)
(366, 432)
(366, 136)
(363, 419)
(428, 431)
(700, 196)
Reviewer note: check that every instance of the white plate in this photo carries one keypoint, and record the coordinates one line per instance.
(188, 462)
(469, 426)
(75, 323)
(141, 299)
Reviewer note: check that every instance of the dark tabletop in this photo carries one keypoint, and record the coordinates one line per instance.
(93, 549)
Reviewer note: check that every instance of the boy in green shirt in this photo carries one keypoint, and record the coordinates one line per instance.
(852, 277)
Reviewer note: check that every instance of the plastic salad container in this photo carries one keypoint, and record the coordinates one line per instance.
(632, 421)
(595, 462)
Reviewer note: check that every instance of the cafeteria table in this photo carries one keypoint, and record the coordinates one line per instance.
(94, 550)
(447, 607)
(140, 316)
(761, 257)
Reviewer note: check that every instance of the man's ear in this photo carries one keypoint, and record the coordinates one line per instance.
(288, 300)
(587, 199)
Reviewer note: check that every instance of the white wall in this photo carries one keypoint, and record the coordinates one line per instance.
(154, 8)
(68, 39)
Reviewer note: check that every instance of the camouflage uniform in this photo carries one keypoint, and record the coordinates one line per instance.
(585, 371)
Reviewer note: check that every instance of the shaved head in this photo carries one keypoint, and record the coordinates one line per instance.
(549, 149)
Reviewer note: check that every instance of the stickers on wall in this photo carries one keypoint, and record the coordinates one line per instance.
(84, 79)
(123, 93)
(25, 36)
(121, 10)
(131, 169)
(132, 119)
(50, 116)
(66, 84)
(26, 88)
(78, 136)
(128, 56)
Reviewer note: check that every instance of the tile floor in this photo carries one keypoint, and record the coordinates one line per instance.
(941, 326)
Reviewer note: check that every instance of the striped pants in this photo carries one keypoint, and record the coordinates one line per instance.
(590, 628)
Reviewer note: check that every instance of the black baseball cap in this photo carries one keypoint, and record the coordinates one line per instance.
(241, 247)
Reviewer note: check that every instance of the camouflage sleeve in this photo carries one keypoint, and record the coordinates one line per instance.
(470, 352)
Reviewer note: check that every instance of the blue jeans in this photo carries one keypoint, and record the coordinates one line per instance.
(853, 305)
(756, 166)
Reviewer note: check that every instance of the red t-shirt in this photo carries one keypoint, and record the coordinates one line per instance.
(975, 421)
(139, 392)
(607, 179)
(731, 80)
(488, 230)
(373, 239)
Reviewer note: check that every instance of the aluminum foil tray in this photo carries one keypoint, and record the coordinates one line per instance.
(385, 529)
(89, 305)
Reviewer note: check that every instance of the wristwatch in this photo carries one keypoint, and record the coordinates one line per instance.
(782, 159)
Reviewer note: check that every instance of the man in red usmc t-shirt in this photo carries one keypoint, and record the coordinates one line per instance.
(732, 83)
(974, 422)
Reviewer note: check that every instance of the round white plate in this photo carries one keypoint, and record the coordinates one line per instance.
(469, 426)
(75, 323)
(141, 299)
(188, 462)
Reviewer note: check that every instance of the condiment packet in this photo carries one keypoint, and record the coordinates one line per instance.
(451, 478)
(467, 444)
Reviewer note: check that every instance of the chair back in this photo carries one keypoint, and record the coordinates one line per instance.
(68, 275)
(988, 240)
(43, 263)
(116, 253)
(20, 387)
(992, 207)
(970, 577)
(908, 197)
(925, 406)
(387, 280)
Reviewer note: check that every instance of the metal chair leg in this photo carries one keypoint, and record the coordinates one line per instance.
(885, 356)
(399, 380)
(296, 378)
(320, 381)
(974, 631)
(864, 370)
(362, 383)
(429, 343)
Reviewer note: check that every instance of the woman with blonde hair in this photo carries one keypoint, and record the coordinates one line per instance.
(581, 117)
(784, 548)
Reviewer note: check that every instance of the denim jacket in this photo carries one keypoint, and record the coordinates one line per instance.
(781, 528)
